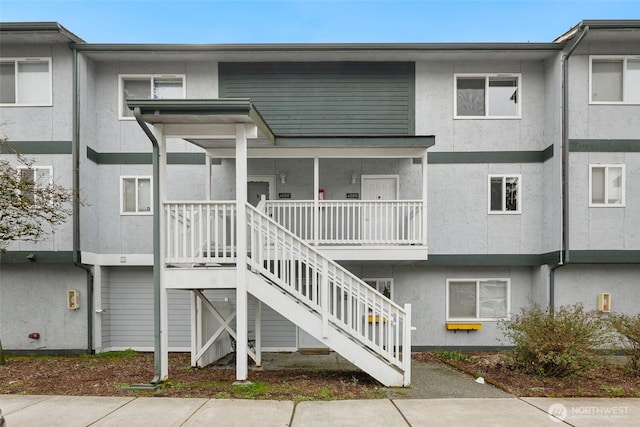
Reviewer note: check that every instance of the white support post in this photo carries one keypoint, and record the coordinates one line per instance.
(424, 198)
(406, 346)
(258, 334)
(241, 256)
(164, 308)
(207, 176)
(97, 313)
(324, 298)
(194, 328)
(316, 204)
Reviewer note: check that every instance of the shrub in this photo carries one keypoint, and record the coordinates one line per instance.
(629, 329)
(555, 344)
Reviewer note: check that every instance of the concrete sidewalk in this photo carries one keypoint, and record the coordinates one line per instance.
(70, 411)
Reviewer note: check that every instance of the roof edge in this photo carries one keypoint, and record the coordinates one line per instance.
(41, 27)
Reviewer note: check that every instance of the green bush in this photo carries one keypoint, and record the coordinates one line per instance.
(555, 344)
(629, 328)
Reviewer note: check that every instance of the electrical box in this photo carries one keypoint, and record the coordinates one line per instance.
(73, 300)
(604, 302)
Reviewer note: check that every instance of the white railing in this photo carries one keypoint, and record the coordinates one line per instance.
(336, 295)
(349, 222)
(200, 232)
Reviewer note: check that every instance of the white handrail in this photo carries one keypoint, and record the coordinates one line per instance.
(336, 295)
(372, 222)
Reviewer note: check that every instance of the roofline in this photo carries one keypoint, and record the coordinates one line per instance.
(599, 24)
(40, 27)
(315, 47)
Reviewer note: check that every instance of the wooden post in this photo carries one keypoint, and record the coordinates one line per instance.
(2, 361)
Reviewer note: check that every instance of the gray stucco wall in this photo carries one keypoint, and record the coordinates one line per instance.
(33, 299)
(582, 284)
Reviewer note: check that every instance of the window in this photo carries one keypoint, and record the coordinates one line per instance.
(606, 184)
(615, 79)
(477, 299)
(149, 87)
(384, 286)
(25, 82)
(504, 194)
(33, 178)
(135, 195)
(488, 96)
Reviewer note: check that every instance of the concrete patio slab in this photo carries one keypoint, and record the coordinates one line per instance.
(155, 411)
(347, 413)
(234, 412)
(66, 411)
(492, 412)
(591, 412)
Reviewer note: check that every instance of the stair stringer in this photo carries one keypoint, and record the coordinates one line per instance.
(306, 319)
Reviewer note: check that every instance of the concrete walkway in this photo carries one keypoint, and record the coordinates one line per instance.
(70, 411)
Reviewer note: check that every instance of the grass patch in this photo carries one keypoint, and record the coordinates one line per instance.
(256, 390)
(452, 355)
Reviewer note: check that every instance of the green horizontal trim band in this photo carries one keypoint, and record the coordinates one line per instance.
(39, 257)
(604, 256)
(355, 141)
(143, 158)
(489, 259)
(605, 145)
(491, 156)
(37, 147)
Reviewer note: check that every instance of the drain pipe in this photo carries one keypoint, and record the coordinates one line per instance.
(564, 252)
(75, 154)
(156, 246)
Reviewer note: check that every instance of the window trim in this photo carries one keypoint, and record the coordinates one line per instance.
(504, 211)
(151, 77)
(624, 59)
(35, 59)
(35, 168)
(486, 77)
(136, 213)
(477, 282)
(606, 204)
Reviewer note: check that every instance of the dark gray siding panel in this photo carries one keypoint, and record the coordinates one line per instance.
(337, 98)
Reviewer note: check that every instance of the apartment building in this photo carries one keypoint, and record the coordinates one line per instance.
(364, 198)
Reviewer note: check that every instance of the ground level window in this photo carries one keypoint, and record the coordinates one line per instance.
(606, 184)
(384, 286)
(135, 195)
(477, 299)
(504, 193)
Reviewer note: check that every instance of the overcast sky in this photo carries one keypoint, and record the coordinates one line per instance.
(316, 21)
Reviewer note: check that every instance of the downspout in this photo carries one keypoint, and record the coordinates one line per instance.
(75, 154)
(156, 245)
(564, 252)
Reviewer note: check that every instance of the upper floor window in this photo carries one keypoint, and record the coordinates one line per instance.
(135, 195)
(487, 96)
(477, 299)
(504, 194)
(615, 79)
(606, 184)
(25, 81)
(33, 180)
(149, 87)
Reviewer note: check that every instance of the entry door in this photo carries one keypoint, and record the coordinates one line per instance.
(378, 221)
(255, 191)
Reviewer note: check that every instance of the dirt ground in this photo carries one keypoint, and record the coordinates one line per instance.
(113, 374)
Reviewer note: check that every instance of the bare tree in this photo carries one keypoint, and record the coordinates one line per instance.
(31, 204)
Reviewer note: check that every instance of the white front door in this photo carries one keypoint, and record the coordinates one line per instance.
(378, 220)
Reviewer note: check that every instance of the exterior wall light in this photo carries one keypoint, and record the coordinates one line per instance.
(354, 178)
(283, 177)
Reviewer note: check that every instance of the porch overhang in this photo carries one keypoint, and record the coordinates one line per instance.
(207, 123)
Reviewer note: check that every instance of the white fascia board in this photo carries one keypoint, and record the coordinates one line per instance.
(375, 253)
(117, 259)
(328, 152)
